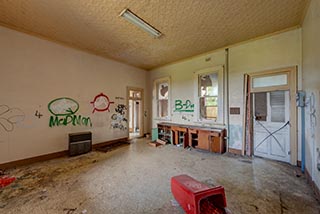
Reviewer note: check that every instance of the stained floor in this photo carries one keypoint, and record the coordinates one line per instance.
(136, 179)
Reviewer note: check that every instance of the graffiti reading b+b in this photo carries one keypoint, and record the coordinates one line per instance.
(183, 107)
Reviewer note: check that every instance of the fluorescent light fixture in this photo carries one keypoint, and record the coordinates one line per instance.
(134, 19)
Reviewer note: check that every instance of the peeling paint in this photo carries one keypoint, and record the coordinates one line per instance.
(235, 141)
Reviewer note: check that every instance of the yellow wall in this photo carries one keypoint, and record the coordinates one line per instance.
(182, 82)
(311, 84)
(277, 51)
(35, 72)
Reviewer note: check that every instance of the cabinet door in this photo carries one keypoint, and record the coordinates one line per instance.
(203, 139)
(216, 145)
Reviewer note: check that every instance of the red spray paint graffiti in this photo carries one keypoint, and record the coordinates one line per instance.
(5, 181)
(101, 102)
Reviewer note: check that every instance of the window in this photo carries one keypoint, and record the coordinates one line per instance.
(268, 81)
(161, 95)
(277, 104)
(209, 95)
(260, 106)
(134, 94)
(270, 106)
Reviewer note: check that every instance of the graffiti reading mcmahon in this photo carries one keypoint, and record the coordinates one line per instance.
(64, 112)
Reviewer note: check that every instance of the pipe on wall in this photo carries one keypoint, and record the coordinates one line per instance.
(226, 81)
(301, 102)
(303, 146)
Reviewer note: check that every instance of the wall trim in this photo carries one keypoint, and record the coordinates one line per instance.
(54, 155)
(235, 151)
(313, 185)
(107, 143)
(35, 159)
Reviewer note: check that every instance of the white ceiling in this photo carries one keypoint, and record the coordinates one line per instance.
(190, 27)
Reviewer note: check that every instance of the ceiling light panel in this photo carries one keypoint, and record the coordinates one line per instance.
(134, 19)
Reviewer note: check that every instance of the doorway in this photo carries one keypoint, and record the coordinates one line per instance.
(271, 125)
(135, 103)
(270, 118)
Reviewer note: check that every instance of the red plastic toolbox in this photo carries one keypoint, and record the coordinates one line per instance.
(197, 198)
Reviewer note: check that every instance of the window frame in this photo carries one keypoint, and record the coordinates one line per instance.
(155, 99)
(220, 112)
(271, 87)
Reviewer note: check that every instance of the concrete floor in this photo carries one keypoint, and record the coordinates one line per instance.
(136, 179)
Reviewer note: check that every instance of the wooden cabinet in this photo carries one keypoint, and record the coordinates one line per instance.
(180, 135)
(210, 139)
(193, 137)
(217, 142)
(204, 140)
(164, 133)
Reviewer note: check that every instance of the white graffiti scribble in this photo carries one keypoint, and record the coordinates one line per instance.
(63, 106)
(9, 117)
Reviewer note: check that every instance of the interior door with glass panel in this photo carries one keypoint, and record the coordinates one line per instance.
(135, 112)
(271, 126)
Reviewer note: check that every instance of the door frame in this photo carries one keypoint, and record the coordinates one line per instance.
(141, 115)
(291, 85)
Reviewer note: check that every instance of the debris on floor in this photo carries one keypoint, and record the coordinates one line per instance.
(95, 182)
(245, 160)
(154, 144)
(174, 203)
(42, 197)
(38, 182)
(161, 142)
(210, 182)
(43, 194)
(3, 204)
(69, 210)
(5, 181)
(2, 172)
(113, 146)
(297, 173)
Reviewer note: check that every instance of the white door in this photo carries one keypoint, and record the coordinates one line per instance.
(135, 112)
(271, 126)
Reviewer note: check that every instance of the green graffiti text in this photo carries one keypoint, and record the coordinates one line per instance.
(183, 107)
(69, 119)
